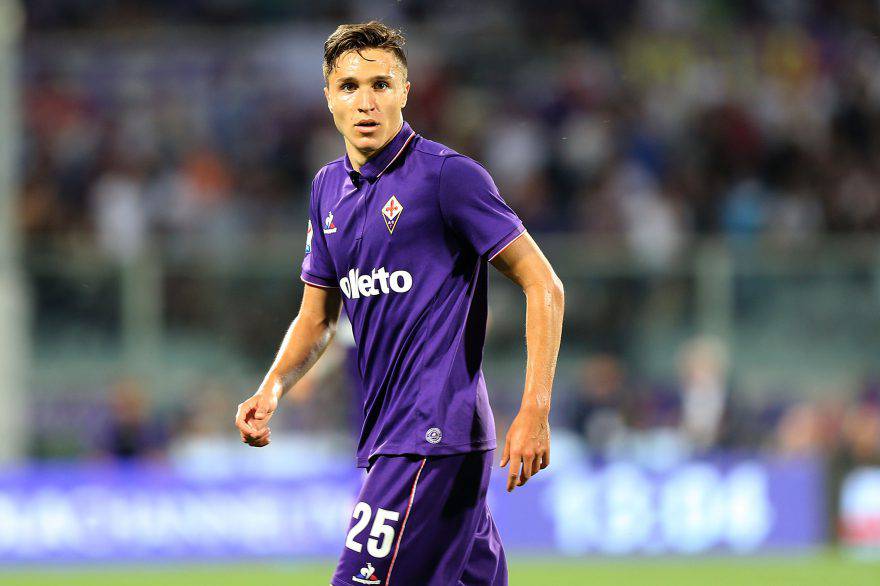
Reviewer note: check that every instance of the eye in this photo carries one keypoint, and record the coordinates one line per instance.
(381, 85)
(347, 87)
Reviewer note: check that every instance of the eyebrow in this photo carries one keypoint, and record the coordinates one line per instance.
(355, 80)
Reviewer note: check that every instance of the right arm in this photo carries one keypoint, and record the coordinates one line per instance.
(306, 339)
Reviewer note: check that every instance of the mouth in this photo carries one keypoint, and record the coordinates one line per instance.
(366, 125)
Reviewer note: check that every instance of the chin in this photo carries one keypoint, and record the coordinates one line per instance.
(367, 142)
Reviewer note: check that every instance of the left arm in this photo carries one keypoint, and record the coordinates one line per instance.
(527, 446)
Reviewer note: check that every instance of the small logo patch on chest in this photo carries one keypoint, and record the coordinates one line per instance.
(391, 212)
(434, 435)
(329, 226)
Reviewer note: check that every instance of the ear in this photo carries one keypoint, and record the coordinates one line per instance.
(327, 97)
(405, 95)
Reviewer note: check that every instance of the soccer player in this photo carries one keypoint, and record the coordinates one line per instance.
(400, 233)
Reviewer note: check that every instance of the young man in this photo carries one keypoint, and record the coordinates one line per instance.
(400, 232)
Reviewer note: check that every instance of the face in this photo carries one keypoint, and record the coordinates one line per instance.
(366, 92)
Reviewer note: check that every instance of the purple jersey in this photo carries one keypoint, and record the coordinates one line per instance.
(407, 239)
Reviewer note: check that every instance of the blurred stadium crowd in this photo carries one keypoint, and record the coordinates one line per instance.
(655, 120)
(652, 122)
(608, 410)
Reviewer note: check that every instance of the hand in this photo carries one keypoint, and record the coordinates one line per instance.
(252, 418)
(527, 447)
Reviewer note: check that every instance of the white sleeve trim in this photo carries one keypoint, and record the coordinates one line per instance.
(317, 285)
(515, 238)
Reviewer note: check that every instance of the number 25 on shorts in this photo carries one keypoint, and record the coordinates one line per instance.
(381, 535)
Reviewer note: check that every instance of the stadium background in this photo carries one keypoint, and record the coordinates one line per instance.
(702, 175)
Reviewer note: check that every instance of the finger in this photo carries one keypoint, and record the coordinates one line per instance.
(513, 475)
(245, 427)
(260, 441)
(239, 416)
(527, 462)
(264, 409)
(260, 434)
(505, 455)
(259, 427)
(536, 465)
(545, 459)
(241, 419)
(250, 431)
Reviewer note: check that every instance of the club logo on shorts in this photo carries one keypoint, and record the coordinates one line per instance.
(391, 213)
(309, 238)
(329, 226)
(434, 435)
(367, 575)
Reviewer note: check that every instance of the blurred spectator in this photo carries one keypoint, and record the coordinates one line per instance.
(861, 434)
(651, 222)
(118, 209)
(132, 429)
(703, 372)
(801, 432)
(599, 405)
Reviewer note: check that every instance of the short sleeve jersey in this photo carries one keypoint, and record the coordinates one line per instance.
(407, 239)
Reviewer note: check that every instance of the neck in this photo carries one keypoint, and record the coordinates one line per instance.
(358, 157)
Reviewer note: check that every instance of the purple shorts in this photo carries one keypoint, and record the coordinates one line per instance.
(424, 522)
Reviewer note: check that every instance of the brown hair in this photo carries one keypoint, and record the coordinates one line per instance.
(368, 35)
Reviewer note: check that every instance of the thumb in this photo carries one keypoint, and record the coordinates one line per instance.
(263, 409)
(505, 455)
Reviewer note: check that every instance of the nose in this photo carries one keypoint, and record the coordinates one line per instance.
(365, 102)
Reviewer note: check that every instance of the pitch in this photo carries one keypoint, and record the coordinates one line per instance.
(793, 571)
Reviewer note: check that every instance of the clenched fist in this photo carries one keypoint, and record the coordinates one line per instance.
(252, 418)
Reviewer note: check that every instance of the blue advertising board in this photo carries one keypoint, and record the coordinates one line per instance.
(743, 506)
(140, 513)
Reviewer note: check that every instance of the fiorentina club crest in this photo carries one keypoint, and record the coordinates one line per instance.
(391, 213)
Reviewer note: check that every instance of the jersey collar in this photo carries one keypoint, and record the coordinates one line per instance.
(378, 163)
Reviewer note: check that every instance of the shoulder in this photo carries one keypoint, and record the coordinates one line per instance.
(332, 169)
(451, 165)
(464, 167)
(430, 148)
(463, 173)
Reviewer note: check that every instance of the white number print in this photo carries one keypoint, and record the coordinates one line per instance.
(362, 513)
(381, 534)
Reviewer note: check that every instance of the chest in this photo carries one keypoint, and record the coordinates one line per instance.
(390, 220)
